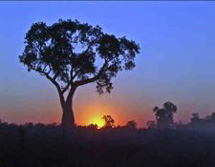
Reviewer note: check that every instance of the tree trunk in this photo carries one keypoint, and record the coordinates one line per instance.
(68, 119)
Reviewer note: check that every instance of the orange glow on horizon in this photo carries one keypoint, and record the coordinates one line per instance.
(96, 120)
(93, 113)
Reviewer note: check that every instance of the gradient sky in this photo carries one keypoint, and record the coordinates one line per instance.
(176, 63)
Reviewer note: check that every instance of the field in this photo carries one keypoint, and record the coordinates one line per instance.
(50, 145)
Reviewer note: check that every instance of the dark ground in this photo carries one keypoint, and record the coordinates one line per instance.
(51, 146)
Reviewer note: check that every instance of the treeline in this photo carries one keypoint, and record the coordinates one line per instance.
(51, 145)
(164, 119)
(164, 143)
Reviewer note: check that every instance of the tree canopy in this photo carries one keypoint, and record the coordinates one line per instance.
(164, 115)
(109, 121)
(71, 54)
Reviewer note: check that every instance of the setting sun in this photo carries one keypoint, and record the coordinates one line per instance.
(97, 120)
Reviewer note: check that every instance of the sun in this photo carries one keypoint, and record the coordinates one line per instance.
(97, 120)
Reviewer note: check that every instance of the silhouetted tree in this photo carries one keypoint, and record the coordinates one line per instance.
(109, 121)
(92, 126)
(195, 118)
(151, 124)
(207, 122)
(211, 117)
(68, 54)
(131, 124)
(28, 124)
(164, 116)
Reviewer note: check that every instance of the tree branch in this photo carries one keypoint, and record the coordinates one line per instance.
(66, 88)
(75, 75)
(62, 100)
(93, 79)
(89, 46)
(56, 75)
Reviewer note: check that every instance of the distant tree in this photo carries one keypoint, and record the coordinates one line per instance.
(119, 127)
(109, 121)
(92, 126)
(131, 124)
(164, 116)
(71, 54)
(195, 118)
(207, 122)
(211, 117)
(54, 124)
(29, 125)
(151, 124)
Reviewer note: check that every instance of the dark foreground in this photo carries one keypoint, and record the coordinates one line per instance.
(50, 146)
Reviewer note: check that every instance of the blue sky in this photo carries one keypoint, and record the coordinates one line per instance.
(176, 63)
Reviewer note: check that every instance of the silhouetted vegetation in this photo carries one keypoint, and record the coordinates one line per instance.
(109, 121)
(42, 145)
(66, 54)
(207, 122)
(164, 116)
(131, 124)
(151, 124)
(161, 145)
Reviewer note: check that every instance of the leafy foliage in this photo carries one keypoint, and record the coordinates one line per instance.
(67, 53)
(131, 124)
(109, 121)
(164, 115)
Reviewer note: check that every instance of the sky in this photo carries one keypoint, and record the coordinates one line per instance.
(176, 62)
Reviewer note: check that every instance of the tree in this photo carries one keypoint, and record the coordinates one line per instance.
(195, 118)
(92, 126)
(109, 121)
(211, 118)
(151, 124)
(131, 125)
(164, 116)
(202, 122)
(71, 54)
